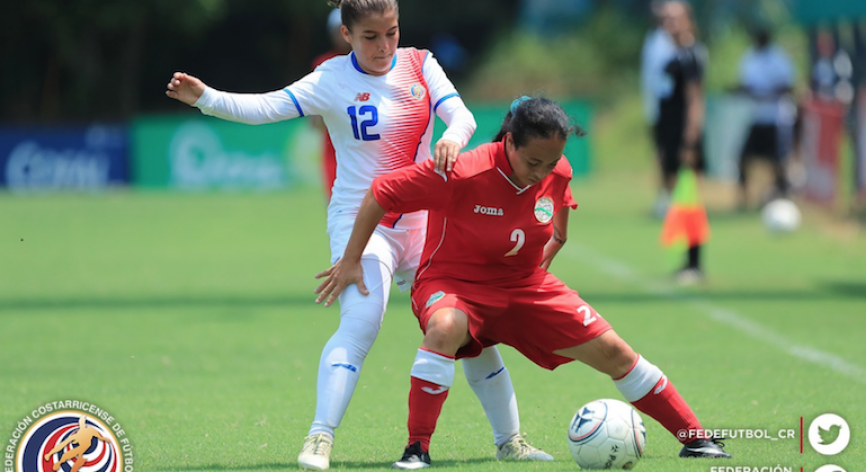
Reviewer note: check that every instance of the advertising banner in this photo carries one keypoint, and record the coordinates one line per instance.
(63, 158)
(860, 158)
(202, 153)
(822, 132)
(728, 120)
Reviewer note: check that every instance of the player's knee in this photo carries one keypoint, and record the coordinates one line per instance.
(446, 330)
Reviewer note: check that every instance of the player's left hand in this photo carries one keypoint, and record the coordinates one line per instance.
(445, 155)
(550, 250)
(337, 278)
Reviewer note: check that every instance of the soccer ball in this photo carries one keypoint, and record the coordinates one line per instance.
(781, 216)
(606, 434)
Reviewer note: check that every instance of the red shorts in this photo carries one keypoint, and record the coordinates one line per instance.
(536, 316)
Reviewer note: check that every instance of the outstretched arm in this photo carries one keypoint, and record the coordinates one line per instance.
(249, 108)
(348, 270)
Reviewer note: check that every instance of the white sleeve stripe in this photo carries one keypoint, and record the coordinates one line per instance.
(295, 100)
(446, 97)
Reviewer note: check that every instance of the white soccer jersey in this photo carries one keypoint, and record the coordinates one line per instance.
(377, 123)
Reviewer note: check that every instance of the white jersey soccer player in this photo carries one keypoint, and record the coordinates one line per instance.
(378, 123)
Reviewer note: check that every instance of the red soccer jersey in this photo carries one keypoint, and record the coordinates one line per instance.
(481, 227)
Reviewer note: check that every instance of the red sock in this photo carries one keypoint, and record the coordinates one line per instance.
(665, 404)
(425, 404)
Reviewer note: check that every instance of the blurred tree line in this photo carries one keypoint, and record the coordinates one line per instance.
(76, 60)
(69, 60)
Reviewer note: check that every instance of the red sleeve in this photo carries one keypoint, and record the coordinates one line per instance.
(564, 170)
(413, 188)
(567, 198)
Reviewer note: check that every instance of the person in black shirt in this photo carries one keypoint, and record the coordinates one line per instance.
(679, 129)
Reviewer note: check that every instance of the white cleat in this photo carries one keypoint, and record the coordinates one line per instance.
(517, 449)
(316, 453)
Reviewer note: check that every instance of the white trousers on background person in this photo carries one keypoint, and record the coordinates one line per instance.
(393, 254)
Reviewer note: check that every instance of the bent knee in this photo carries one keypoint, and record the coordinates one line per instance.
(447, 329)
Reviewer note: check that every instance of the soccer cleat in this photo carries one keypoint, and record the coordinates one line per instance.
(316, 453)
(517, 449)
(413, 458)
(711, 448)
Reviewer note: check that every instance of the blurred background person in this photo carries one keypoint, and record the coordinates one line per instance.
(680, 126)
(832, 71)
(767, 78)
(658, 49)
(339, 47)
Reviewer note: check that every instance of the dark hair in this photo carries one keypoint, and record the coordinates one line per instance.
(352, 11)
(536, 118)
(762, 36)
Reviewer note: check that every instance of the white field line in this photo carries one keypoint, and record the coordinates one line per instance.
(620, 270)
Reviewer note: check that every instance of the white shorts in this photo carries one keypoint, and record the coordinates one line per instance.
(398, 250)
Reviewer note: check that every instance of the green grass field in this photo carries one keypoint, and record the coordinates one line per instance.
(191, 319)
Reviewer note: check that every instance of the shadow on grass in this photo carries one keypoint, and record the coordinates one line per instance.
(846, 289)
(156, 302)
(820, 292)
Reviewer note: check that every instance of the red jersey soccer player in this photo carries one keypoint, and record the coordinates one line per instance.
(496, 221)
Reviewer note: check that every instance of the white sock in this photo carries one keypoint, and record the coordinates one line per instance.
(339, 369)
(639, 380)
(489, 379)
(344, 354)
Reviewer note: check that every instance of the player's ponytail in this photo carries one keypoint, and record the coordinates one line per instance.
(353, 11)
(536, 118)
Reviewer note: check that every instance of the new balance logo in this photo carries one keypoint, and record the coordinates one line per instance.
(362, 97)
(439, 390)
(489, 210)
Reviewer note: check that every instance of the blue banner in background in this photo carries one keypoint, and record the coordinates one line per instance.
(64, 158)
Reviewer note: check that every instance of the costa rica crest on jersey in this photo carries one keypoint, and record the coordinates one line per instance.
(544, 210)
(418, 91)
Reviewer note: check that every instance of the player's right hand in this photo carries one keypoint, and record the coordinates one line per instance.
(185, 88)
(337, 278)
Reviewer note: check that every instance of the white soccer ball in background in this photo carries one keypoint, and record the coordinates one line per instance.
(606, 434)
(781, 216)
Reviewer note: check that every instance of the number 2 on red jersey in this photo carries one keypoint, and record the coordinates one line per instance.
(518, 237)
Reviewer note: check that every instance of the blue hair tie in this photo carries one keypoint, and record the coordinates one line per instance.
(516, 103)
